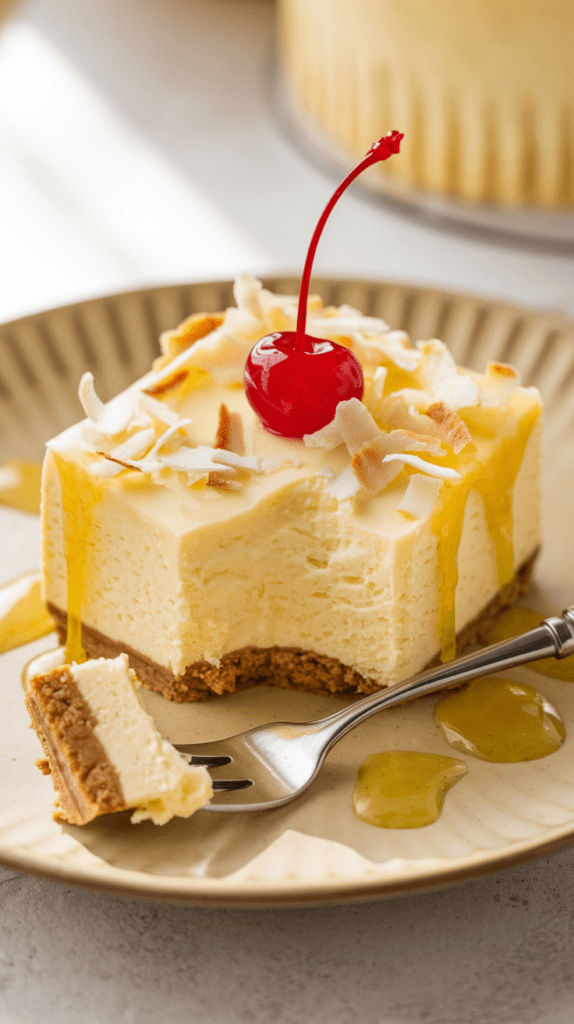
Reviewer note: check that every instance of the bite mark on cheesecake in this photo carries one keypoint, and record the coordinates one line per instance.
(285, 667)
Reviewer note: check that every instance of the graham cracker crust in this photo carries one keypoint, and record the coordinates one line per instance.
(87, 783)
(287, 667)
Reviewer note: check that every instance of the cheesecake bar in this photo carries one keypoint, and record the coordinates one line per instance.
(217, 555)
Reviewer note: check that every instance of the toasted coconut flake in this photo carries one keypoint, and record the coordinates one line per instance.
(122, 463)
(178, 384)
(408, 441)
(93, 406)
(168, 384)
(355, 424)
(347, 321)
(441, 376)
(229, 431)
(223, 482)
(147, 464)
(253, 463)
(444, 472)
(131, 409)
(279, 312)
(112, 418)
(107, 469)
(402, 410)
(374, 395)
(82, 436)
(352, 425)
(402, 441)
(370, 463)
(195, 327)
(399, 350)
(201, 459)
(153, 462)
(147, 406)
(247, 294)
(449, 427)
(369, 337)
(135, 446)
(414, 410)
(370, 470)
(499, 384)
(420, 496)
(328, 437)
(168, 435)
(392, 347)
(240, 326)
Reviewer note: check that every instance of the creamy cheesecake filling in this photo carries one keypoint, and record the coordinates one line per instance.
(192, 576)
(186, 574)
(104, 748)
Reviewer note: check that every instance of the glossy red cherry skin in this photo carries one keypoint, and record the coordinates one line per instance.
(293, 381)
(296, 390)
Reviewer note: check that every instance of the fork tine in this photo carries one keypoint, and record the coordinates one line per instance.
(210, 761)
(229, 784)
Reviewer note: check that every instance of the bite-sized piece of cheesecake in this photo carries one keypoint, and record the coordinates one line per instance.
(103, 750)
(218, 555)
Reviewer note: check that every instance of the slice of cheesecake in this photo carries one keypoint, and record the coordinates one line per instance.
(103, 750)
(219, 556)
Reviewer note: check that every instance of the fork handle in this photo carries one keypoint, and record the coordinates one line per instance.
(553, 638)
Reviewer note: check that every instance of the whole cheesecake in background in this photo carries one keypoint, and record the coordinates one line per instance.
(483, 91)
(219, 556)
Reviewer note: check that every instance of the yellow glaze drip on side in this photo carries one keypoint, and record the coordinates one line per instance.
(500, 720)
(20, 484)
(23, 614)
(404, 788)
(494, 479)
(80, 493)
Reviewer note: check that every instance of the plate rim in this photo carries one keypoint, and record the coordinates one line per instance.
(323, 892)
(554, 317)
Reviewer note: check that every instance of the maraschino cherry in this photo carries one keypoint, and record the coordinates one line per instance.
(293, 381)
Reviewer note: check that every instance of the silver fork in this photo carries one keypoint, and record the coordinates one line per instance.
(271, 765)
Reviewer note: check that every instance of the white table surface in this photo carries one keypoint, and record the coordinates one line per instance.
(137, 146)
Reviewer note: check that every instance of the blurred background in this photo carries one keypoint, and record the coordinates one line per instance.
(145, 142)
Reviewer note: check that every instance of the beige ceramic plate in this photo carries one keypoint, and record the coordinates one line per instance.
(316, 849)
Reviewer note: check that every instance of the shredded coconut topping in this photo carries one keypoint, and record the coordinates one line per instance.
(420, 496)
(371, 470)
(352, 425)
(229, 431)
(443, 472)
(135, 446)
(441, 377)
(138, 430)
(372, 462)
(415, 410)
(499, 384)
(222, 351)
(152, 449)
(373, 450)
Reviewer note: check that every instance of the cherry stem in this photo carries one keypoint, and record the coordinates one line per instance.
(380, 150)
